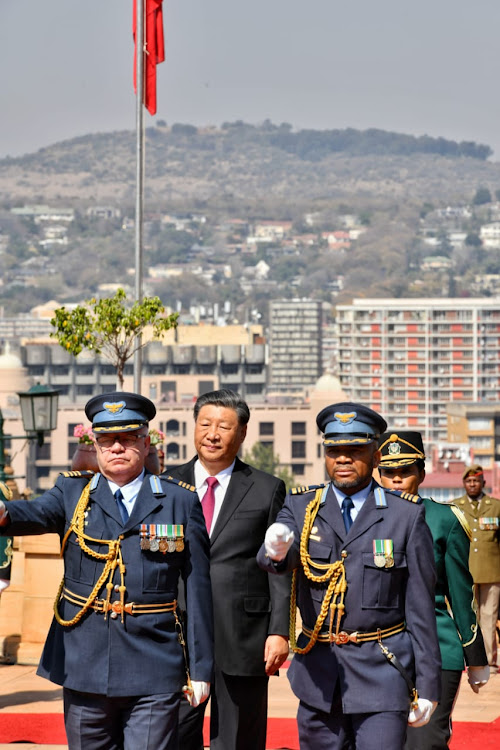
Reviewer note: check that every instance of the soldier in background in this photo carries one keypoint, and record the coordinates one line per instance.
(483, 515)
(402, 467)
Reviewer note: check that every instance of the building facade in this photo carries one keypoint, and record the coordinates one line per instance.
(409, 358)
(295, 341)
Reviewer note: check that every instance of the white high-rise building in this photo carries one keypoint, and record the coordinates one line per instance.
(408, 358)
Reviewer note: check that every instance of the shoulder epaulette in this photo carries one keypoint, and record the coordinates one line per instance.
(76, 473)
(185, 485)
(6, 491)
(303, 488)
(407, 496)
(462, 520)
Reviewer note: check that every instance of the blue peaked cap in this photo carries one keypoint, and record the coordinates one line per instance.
(119, 411)
(349, 423)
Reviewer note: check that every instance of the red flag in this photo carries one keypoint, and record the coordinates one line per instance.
(154, 50)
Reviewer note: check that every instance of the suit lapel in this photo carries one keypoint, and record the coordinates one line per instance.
(239, 484)
(331, 514)
(369, 515)
(146, 503)
(103, 497)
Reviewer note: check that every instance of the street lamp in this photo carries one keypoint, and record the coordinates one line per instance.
(39, 414)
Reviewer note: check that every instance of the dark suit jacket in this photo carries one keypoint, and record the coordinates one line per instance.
(375, 598)
(249, 604)
(142, 655)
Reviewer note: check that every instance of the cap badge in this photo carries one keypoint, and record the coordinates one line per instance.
(394, 449)
(345, 418)
(114, 407)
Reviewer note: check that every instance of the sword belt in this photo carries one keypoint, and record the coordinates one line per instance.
(131, 608)
(355, 636)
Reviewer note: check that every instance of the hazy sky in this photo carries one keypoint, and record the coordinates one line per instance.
(430, 66)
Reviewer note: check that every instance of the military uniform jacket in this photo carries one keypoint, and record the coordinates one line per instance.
(142, 655)
(249, 604)
(484, 559)
(375, 598)
(459, 635)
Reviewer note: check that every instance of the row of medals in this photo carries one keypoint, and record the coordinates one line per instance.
(154, 541)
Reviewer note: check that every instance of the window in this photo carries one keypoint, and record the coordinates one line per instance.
(266, 428)
(269, 444)
(42, 452)
(298, 448)
(298, 470)
(205, 386)
(298, 428)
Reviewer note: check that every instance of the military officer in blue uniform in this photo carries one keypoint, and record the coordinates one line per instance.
(367, 659)
(117, 643)
(402, 467)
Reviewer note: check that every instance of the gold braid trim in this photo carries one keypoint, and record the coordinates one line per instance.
(334, 573)
(113, 560)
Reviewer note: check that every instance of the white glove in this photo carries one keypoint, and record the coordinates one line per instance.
(278, 541)
(4, 515)
(201, 691)
(478, 676)
(422, 713)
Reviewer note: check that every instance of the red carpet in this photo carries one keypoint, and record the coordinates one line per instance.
(48, 729)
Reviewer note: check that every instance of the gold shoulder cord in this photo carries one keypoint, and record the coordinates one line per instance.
(334, 573)
(113, 559)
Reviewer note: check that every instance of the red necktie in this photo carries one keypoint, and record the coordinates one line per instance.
(208, 501)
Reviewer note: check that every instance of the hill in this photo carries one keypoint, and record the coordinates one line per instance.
(241, 165)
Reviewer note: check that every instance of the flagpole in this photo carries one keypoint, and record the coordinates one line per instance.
(139, 188)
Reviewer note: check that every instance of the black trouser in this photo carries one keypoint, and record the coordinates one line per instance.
(238, 715)
(436, 734)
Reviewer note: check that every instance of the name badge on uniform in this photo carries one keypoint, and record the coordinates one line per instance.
(162, 537)
(383, 553)
(488, 523)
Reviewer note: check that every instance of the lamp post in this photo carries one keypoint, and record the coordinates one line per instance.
(39, 414)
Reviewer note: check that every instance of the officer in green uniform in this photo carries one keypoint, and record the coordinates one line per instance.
(5, 546)
(402, 467)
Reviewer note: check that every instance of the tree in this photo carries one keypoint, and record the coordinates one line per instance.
(262, 457)
(482, 196)
(111, 326)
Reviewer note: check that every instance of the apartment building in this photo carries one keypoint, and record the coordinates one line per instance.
(409, 358)
(295, 339)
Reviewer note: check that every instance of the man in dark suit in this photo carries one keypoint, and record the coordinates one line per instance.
(127, 536)
(367, 660)
(251, 609)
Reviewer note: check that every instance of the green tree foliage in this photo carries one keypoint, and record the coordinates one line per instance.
(262, 457)
(482, 196)
(111, 326)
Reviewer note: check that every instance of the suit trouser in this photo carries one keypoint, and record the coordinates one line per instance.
(238, 715)
(338, 731)
(436, 734)
(97, 722)
(488, 599)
